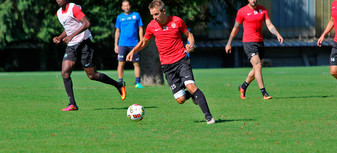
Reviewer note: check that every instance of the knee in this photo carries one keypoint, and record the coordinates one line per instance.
(65, 74)
(334, 74)
(92, 76)
(181, 100)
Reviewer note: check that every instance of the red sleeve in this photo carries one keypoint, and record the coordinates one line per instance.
(148, 32)
(239, 17)
(78, 14)
(183, 28)
(266, 15)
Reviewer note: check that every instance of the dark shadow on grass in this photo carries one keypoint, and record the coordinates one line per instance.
(223, 121)
(297, 97)
(123, 108)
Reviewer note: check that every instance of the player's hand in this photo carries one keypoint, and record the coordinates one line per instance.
(228, 49)
(116, 49)
(319, 41)
(67, 39)
(56, 40)
(280, 39)
(189, 48)
(129, 56)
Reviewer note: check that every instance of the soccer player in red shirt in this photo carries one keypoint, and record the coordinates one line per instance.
(252, 17)
(172, 54)
(329, 27)
(77, 36)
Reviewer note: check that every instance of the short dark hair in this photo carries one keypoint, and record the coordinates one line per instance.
(125, 1)
(158, 3)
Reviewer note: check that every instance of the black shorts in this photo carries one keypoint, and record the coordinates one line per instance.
(253, 48)
(333, 55)
(82, 50)
(178, 75)
(125, 50)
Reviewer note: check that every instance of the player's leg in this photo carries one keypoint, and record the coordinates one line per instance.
(135, 60)
(89, 68)
(67, 67)
(333, 70)
(186, 74)
(120, 70)
(257, 67)
(333, 60)
(122, 52)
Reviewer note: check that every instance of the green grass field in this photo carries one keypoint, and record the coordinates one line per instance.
(301, 117)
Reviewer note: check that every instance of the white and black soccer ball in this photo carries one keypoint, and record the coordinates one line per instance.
(135, 112)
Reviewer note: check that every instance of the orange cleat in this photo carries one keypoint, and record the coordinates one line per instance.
(242, 93)
(122, 90)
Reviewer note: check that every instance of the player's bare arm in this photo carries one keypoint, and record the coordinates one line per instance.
(85, 25)
(190, 38)
(328, 28)
(58, 39)
(141, 45)
(273, 30)
(232, 36)
(141, 32)
(117, 34)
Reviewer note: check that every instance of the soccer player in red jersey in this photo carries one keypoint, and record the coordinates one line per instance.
(172, 54)
(77, 36)
(252, 17)
(329, 27)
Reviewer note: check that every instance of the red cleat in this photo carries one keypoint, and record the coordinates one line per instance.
(242, 93)
(70, 108)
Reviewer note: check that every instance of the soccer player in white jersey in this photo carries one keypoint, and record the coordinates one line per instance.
(77, 36)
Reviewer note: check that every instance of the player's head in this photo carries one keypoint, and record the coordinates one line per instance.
(62, 3)
(158, 12)
(252, 3)
(126, 7)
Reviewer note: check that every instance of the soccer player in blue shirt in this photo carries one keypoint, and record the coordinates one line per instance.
(128, 26)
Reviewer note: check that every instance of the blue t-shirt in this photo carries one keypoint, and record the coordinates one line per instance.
(128, 25)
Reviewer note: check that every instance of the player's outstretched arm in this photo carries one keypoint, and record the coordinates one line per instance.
(141, 44)
(273, 30)
(328, 28)
(189, 47)
(232, 36)
(58, 39)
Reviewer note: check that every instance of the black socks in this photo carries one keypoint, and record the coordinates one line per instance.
(68, 84)
(105, 79)
(201, 100)
(244, 85)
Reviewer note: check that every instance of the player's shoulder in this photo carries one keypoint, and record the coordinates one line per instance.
(334, 3)
(176, 19)
(261, 7)
(152, 23)
(135, 13)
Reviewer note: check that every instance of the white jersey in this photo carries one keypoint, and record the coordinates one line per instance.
(71, 23)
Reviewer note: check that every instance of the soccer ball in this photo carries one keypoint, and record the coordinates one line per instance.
(135, 112)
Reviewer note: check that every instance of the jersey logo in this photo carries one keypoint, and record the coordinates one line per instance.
(173, 25)
(249, 14)
(255, 12)
(165, 28)
(134, 17)
(260, 11)
(123, 19)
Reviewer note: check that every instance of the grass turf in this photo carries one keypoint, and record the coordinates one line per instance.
(301, 117)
